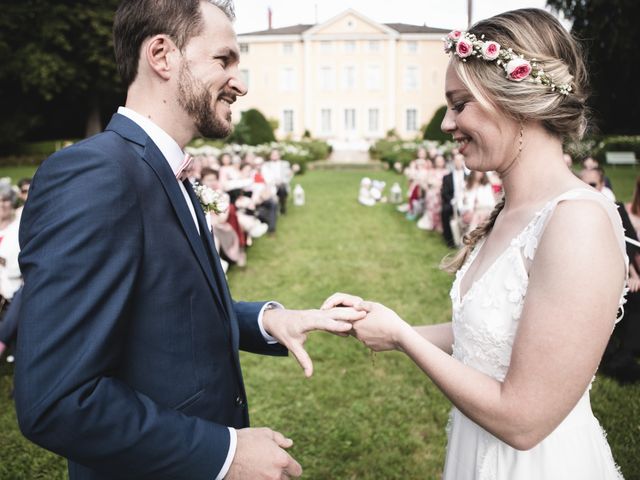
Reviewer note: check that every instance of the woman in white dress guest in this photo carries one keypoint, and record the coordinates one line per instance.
(538, 286)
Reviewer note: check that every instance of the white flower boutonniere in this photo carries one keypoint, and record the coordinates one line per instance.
(210, 200)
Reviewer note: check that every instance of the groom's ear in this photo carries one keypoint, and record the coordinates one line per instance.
(159, 55)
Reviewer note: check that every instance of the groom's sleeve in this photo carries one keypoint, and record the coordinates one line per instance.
(252, 336)
(82, 241)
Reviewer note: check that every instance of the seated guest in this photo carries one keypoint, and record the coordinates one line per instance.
(595, 178)
(277, 175)
(10, 276)
(619, 359)
(452, 193)
(478, 200)
(590, 163)
(633, 208)
(226, 237)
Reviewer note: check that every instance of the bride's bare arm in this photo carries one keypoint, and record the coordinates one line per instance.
(441, 335)
(567, 318)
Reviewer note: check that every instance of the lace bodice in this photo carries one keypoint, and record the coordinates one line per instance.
(486, 319)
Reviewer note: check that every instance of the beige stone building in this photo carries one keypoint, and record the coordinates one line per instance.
(348, 80)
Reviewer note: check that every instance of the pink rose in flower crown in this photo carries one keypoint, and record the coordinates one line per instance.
(454, 34)
(490, 50)
(464, 48)
(518, 69)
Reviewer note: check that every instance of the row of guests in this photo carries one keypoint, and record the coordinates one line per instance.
(256, 192)
(453, 201)
(12, 199)
(445, 197)
(620, 359)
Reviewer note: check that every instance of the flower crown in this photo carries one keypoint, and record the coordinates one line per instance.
(517, 68)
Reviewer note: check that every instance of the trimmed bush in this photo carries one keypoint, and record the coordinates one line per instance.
(597, 147)
(392, 151)
(252, 129)
(432, 131)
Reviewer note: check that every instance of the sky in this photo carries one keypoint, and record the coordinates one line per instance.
(251, 15)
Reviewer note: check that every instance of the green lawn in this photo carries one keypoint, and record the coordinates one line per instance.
(360, 416)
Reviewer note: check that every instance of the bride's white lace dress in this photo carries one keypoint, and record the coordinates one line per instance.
(485, 321)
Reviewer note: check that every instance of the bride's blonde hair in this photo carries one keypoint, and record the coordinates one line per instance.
(534, 34)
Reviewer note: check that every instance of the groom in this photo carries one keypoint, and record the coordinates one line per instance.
(128, 343)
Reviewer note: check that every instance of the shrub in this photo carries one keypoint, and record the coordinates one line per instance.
(432, 131)
(392, 151)
(297, 153)
(619, 143)
(252, 129)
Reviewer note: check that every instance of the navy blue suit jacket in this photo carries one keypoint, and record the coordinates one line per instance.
(127, 358)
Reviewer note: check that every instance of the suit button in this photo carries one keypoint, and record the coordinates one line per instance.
(240, 401)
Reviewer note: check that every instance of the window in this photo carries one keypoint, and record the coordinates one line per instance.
(287, 48)
(350, 119)
(374, 120)
(325, 120)
(326, 78)
(326, 46)
(350, 46)
(287, 121)
(349, 77)
(374, 45)
(412, 120)
(244, 48)
(411, 78)
(412, 47)
(374, 77)
(244, 76)
(287, 79)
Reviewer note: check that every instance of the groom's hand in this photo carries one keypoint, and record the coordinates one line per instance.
(260, 455)
(290, 328)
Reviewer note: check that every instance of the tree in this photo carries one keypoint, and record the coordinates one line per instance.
(433, 131)
(59, 68)
(610, 35)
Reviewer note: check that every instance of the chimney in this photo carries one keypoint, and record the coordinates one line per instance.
(269, 17)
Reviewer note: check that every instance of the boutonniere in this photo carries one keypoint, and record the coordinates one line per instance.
(210, 200)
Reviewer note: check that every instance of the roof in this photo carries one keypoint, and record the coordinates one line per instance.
(292, 30)
(406, 28)
(301, 28)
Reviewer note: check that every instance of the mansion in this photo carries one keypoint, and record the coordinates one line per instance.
(348, 80)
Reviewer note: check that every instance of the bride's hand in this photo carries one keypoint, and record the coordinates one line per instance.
(343, 300)
(381, 329)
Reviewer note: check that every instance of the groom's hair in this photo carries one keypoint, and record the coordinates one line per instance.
(137, 20)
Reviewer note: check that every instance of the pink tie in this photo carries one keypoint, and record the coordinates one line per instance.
(182, 172)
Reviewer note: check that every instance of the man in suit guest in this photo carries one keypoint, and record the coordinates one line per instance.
(452, 191)
(128, 344)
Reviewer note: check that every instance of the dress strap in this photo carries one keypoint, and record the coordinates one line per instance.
(530, 237)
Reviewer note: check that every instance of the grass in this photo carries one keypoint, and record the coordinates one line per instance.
(360, 416)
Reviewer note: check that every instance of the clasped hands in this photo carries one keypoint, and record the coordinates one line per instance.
(375, 325)
(261, 452)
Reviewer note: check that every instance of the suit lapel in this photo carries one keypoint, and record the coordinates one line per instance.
(207, 238)
(154, 158)
(158, 163)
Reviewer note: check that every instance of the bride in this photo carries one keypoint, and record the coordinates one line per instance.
(538, 286)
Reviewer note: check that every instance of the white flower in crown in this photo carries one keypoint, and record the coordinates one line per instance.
(210, 200)
(490, 50)
(518, 69)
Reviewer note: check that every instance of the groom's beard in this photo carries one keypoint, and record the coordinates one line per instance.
(196, 99)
